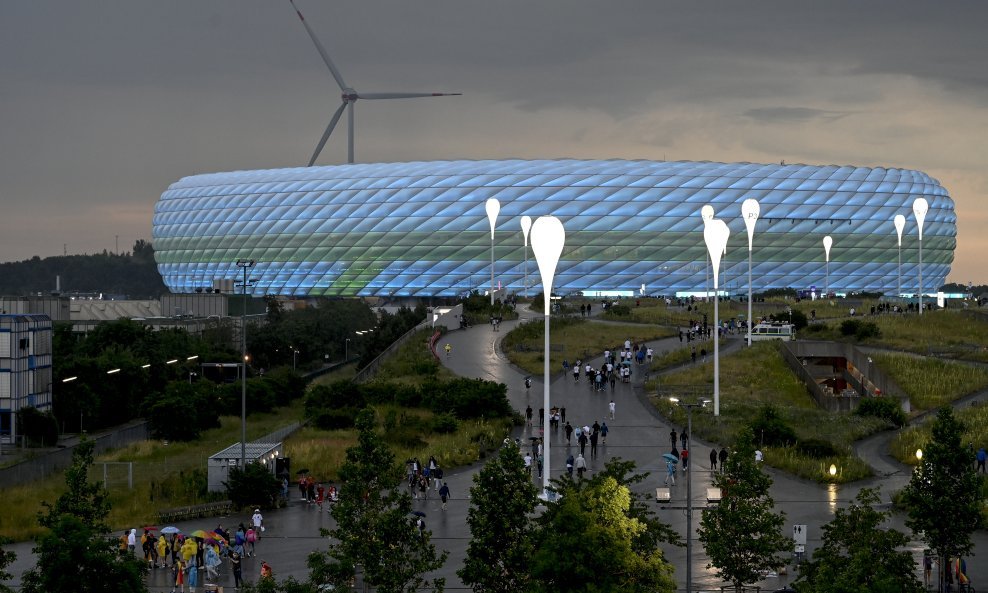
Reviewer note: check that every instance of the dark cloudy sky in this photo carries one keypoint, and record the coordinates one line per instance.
(104, 103)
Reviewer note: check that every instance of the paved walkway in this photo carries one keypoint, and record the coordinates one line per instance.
(636, 433)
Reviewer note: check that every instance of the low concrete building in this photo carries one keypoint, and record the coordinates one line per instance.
(218, 468)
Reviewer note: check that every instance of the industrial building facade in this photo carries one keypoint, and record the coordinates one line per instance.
(25, 368)
(420, 228)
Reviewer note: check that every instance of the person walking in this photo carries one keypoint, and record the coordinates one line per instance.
(670, 472)
(603, 433)
(685, 458)
(582, 440)
(581, 465)
(610, 407)
(723, 458)
(713, 459)
(236, 563)
(569, 432)
(444, 494)
(981, 457)
(448, 348)
(257, 519)
(569, 465)
(684, 438)
(528, 415)
(674, 438)
(593, 444)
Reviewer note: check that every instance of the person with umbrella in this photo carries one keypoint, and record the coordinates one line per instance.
(671, 462)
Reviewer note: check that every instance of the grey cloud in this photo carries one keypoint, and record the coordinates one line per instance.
(792, 114)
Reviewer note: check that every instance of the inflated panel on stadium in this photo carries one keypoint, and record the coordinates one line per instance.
(420, 228)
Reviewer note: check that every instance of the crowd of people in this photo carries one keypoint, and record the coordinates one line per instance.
(423, 477)
(200, 555)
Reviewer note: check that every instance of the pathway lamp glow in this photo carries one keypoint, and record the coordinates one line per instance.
(715, 235)
(548, 239)
(707, 214)
(828, 242)
(526, 226)
(493, 207)
(750, 211)
(833, 470)
(900, 223)
(920, 208)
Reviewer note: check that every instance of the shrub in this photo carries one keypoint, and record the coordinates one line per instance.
(816, 328)
(337, 418)
(619, 310)
(183, 412)
(770, 429)
(444, 424)
(38, 427)
(797, 317)
(817, 449)
(254, 485)
(885, 408)
(849, 327)
(860, 329)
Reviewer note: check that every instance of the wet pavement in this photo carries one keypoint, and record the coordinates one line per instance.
(636, 433)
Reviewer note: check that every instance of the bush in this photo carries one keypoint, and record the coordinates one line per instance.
(619, 310)
(817, 328)
(770, 429)
(40, 428)
(885, 408)
(253, 486)
(183, 412)
(817, 449)
(797, 317)
(444, 424)
(860, 329)
(334, 419)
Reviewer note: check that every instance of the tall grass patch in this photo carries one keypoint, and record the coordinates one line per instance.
(931, 382)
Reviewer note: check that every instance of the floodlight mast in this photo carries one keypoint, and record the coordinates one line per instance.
(349, 95)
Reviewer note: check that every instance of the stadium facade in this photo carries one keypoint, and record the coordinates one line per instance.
(420, 228)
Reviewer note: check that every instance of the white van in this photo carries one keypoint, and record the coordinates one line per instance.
(772, 331)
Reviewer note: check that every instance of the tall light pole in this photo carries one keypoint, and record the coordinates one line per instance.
(244, 264)
(828, 242)
(548, 239)
(346, 350)
(294, 357)
(493, 207)
(900, 223)
(920, 208)
(715, 235)
(749, 211)
(689, 487)
(526, 225)
(707, 214)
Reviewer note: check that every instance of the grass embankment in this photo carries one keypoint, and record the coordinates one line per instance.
(749, 380)
(572, 339)
(931, 382)
(174, 474)
(975, 419)
(164, 476)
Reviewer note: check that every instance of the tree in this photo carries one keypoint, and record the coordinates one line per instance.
(502, 500)
(858, 555)
(587, 542)
(943, 497)
(252, 486)
(75, 554)
(373, 528)
(743, 535)
(6, 559)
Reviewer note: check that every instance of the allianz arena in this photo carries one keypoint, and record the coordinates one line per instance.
(420, 228)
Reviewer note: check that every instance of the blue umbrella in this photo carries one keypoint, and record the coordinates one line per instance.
(670, 458)
(170, 530)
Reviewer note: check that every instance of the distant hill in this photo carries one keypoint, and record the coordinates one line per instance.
(133, 275)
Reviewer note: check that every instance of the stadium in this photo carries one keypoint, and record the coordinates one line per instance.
(420, 228)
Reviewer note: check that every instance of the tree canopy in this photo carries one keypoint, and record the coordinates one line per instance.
(743, 534)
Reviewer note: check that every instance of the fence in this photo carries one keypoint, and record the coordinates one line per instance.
(45, 464)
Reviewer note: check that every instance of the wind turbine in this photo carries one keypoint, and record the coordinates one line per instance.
(350, 96)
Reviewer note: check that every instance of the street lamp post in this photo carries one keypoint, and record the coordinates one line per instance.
(493, 207)
(294, 358)
(827, 244)
(750, 211)
(900, 223)
(526, 226)
(244, 264)
(346, 350)
(715, 235)
(706, 214)
(689, 483)
(920, 208)
(548, 239)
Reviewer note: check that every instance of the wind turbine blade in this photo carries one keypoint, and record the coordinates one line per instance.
(404, 95)
(325, 135)
(321, 49)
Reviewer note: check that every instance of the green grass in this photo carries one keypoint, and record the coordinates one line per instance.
(974, 418)
(931, 382)
(750, 379)
(571, 339)
(163, 476)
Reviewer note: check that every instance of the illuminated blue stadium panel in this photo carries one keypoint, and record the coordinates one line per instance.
(421, 229)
